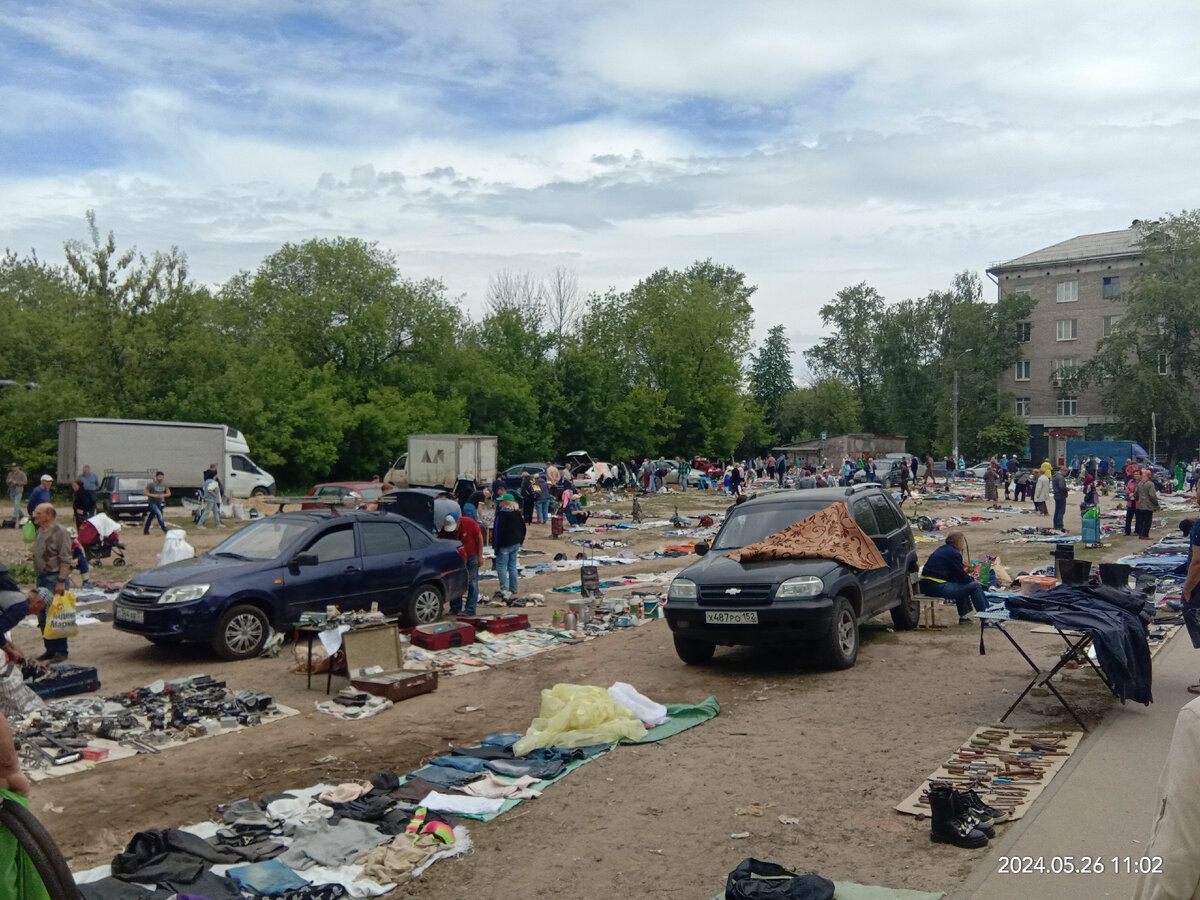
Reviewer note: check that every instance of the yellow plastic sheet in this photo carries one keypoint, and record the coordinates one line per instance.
(576, 715)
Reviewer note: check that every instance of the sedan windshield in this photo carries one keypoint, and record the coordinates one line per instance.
(748, 525)
(265, 539)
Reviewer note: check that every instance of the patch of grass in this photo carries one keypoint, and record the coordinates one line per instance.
(877, 633)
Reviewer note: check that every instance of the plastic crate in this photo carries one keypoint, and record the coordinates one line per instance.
(65, 681)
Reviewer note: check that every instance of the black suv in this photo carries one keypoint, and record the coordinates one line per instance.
(816, 602)
(120, 495)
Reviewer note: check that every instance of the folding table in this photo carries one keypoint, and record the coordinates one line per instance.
(1077, 644)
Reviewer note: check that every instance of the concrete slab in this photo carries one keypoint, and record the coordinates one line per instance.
(1099, 807)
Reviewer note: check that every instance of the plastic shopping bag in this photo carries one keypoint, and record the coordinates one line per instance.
(29, 531)
(575, 715)
(60, 617)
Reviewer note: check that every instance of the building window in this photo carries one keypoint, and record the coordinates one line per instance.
(1023, 370)
(1162, 364)
(1067, 329)
(1068, 292)
(1110, 324)
(1063, 368)
(1112, 287)
(1068, 406)
(1023, 407)
(1023, 331)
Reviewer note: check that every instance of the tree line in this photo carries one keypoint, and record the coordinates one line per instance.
(326, 356)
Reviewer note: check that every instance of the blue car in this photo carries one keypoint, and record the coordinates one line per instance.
(274, 569)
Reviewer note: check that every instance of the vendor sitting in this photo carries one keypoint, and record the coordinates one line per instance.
(945, 576)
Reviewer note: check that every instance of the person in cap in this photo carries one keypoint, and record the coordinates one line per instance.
(16, 488)
(52, 561)
(40, 494)
(507, 537)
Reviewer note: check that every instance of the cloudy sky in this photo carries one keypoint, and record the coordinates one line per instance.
(812, 146)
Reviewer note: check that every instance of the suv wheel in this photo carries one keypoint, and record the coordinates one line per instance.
(840, 646)
(424, 606)
(241, 632)
(694, 653)
(907, 615)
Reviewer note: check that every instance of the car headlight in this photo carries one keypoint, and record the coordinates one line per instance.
(184, 593)
(682, 589)
(804, 586)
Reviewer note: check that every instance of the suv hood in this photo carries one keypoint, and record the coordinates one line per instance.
(717, 567)
(198, 568)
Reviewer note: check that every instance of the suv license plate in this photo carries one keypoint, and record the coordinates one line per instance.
(728, 617)
(130, 615)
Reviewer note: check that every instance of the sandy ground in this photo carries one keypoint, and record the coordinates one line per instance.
(835, 749)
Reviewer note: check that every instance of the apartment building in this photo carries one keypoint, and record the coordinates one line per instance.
(1075, 284)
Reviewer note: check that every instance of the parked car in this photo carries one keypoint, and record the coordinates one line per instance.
(512, 475)
(280, 566)
(976, 471)
(420, 505)
(815, 603)
(887, 472)
(350, 492)
(120, 495)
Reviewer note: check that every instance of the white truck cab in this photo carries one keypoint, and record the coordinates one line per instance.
(245, 478)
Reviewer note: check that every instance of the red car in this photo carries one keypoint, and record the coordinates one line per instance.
(707, 467)
(351, 493)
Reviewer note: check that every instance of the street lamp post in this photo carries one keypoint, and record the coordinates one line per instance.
(954, 402)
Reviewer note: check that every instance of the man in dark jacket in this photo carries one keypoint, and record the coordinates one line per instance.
(944, 575)
(1058, 487)
(507, 537)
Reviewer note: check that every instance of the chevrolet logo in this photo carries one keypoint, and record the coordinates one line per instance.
(733, 590)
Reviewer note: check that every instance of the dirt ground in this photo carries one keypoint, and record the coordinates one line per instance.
(835, 749)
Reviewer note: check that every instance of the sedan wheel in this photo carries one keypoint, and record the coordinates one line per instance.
(425, 606)
(241, 633)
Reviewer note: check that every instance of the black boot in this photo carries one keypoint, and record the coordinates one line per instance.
(982, 809)
(967, 813)
(945, 825)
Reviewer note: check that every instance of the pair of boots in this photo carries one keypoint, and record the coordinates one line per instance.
(961, 818)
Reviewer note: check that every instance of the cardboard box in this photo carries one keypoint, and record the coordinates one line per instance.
(380, 647)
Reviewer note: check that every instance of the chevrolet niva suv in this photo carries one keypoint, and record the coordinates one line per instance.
(817, 603)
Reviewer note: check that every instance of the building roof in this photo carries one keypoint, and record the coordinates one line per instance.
(1087, 246)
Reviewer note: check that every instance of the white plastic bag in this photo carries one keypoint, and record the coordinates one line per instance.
(175, 547)
(643, 707)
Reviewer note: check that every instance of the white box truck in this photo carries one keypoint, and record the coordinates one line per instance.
(182, 451)
(434, 459)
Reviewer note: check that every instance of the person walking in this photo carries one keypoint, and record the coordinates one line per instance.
(157, 492)
(781, 467)
(541, 493)
(16, 481)
(1147, 503)
(1058, 487)
(1131, 485)
(52, 562)
(685, 470)
(507, 537)
(212, 502)
(1041, 492)
(40, 494)
(991, 478)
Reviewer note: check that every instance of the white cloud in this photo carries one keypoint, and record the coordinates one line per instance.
(810, 146)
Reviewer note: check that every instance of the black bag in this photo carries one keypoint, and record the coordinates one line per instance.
(754, 879)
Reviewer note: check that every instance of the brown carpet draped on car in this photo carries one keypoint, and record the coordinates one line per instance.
(830, 534)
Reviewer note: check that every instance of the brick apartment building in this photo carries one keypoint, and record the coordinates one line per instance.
(1075, 284)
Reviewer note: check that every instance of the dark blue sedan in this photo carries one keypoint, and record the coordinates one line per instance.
(274, 569)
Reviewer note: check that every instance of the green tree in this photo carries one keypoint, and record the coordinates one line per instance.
(828, 404)
(851, 353)
(771, 373)
(1149, 363)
